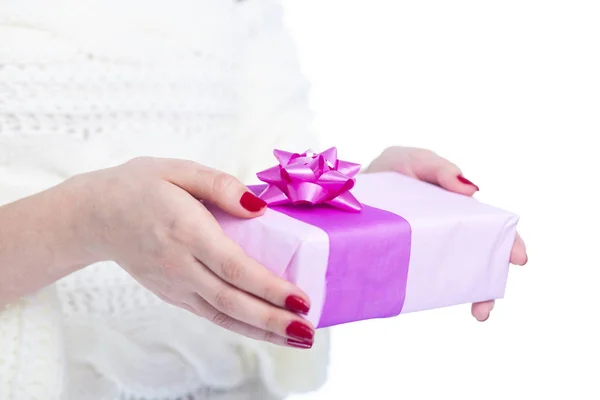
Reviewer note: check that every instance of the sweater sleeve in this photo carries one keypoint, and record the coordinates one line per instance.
(274, 94)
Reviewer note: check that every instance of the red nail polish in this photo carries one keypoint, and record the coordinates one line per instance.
(466, 181)
(300, 345)
(252, 203)
(300, 331)
(297, 304)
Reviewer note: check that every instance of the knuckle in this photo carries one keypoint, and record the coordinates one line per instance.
(139, 162)
(191, 309)
(422, 154)
(224, 302)
(427, 152)
(270, 337)
(222, 183)
(231, 270)
(270, 322)
(171, 271)
(451, 164)
(180, 229)
(223, 320)
(271, 292)
(167, 299)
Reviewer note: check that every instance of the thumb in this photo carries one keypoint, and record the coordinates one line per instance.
(441, 172)
(216, 187)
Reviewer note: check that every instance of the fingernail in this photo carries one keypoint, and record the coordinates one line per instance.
(300, 331)
(466, 181)
(252, 203)
(297, 304)
(300, 345)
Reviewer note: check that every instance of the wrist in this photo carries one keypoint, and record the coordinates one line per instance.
(79, 222)
(43, 238)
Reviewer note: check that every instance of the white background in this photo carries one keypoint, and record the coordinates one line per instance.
(510, 91)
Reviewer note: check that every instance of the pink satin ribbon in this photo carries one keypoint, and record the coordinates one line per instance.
(310, 178)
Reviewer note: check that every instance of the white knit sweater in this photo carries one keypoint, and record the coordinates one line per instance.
(86, 84)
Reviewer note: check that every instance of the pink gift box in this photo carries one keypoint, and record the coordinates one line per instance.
(376, 246)
(413, 247)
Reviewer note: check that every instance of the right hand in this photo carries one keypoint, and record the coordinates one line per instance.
(146, 216)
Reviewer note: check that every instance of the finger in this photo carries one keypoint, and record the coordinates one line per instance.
(518, 254)
(432, 168)
(216, 187)
(481, 311)
(229, 262)
(197, 305)
(251, 310)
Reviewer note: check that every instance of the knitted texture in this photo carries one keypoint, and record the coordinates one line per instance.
(87, 84)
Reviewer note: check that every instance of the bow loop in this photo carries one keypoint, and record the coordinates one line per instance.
(310, 178)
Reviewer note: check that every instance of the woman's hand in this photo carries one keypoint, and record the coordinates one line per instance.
(147, 216)
(429, 167)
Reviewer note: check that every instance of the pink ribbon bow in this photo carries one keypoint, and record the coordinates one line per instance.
(310, 178)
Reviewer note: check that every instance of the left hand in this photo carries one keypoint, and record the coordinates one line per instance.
(427, 166)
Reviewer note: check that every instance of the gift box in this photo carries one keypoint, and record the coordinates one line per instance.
(373, 245)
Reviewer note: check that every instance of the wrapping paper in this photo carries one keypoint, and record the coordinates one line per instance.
(412, 247)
